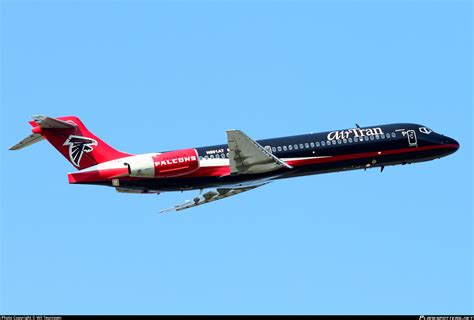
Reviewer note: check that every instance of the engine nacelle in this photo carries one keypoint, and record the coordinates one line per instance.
(176, 163)
(164, 165)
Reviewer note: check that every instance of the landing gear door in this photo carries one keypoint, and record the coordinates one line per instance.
(412, 141)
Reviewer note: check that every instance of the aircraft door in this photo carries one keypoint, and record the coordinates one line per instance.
(412, 140)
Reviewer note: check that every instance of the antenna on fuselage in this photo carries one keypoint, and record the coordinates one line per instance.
(357, 125)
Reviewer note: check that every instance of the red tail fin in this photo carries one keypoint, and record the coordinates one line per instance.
(73, 140)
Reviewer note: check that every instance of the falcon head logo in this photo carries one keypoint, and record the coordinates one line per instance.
(77, 146)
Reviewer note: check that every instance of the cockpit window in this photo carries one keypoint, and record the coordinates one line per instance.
(425, 130)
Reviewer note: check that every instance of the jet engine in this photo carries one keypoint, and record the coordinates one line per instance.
(164, 165)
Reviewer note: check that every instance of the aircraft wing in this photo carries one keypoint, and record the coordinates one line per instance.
(212, 195)
(247, 156)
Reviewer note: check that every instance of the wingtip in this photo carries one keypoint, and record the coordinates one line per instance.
(165, 211)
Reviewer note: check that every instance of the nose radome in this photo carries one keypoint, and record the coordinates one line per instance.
(453, 143)
(457, 144)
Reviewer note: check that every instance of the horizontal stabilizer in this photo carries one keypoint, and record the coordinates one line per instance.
(72, 139)
(52, 123)
(44, 123)
(28, 141)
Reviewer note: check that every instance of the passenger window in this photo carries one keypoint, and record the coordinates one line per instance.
(344, 140)
(285, 148)
(317, 144)
(295, 147)
(222, 155)
(372, 138)
(387, 135)
(206, 157)
(312, 144)
(268, 148)
(306, 145)
(366, 138)
(279, 148)
(274, 149)
(393, 135)
(350, 140)
(301, 146)
(212, 156)
(382, 136)
(334, 142)
(339, 141)
(323, 143)
(328, 143)
(227, 155)
(290, 147)
(356, 139)
(377, 137)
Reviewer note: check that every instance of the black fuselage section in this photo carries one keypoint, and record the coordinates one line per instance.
(315, 153)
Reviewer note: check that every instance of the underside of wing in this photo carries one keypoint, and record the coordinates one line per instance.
(247, 156)
(210, 196)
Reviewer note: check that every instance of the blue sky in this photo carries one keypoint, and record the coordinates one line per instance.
(147, 76)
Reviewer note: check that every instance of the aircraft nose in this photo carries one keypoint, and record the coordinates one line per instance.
(453, 144)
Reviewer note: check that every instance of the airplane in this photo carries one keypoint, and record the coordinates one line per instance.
(240, 165)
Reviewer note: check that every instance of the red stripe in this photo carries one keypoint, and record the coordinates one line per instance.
(368, 155)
